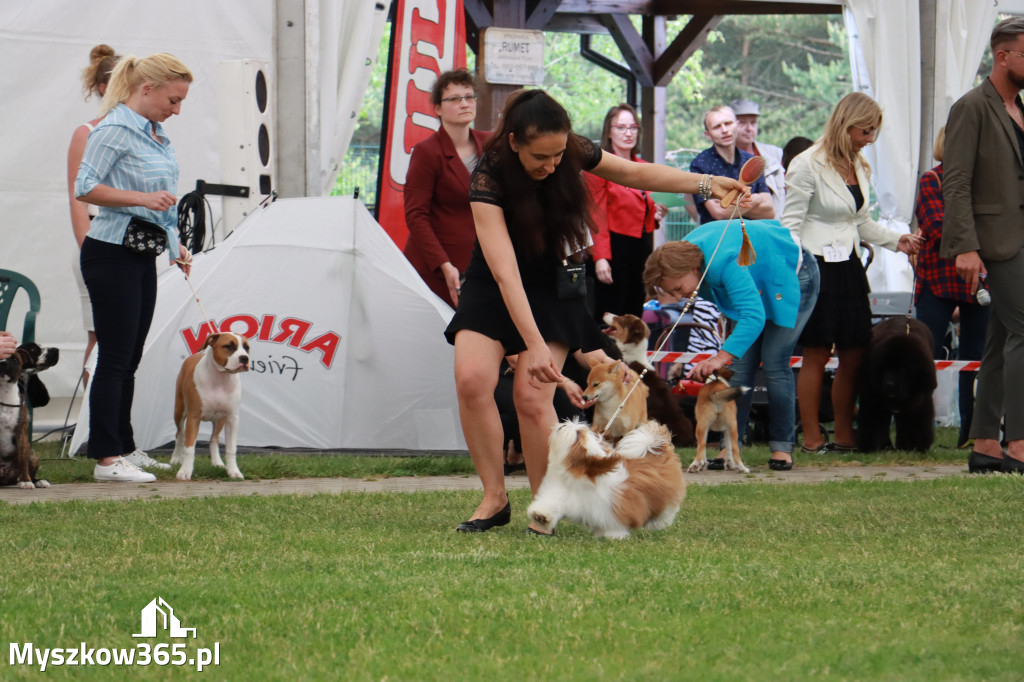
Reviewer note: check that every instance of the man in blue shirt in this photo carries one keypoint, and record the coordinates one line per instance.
(723, 158)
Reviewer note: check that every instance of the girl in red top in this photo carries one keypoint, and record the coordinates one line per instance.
(625, 218)
(939, 291)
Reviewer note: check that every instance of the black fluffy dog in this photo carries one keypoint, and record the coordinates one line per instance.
(897, 379)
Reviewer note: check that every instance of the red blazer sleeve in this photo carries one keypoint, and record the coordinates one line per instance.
(599, 212)
(425, 166)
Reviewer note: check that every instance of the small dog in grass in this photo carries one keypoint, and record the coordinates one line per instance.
(716, 411)
(610, 491)
(608, 384)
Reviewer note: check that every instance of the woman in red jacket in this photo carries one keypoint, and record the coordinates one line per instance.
(441, 229)
(626, 219)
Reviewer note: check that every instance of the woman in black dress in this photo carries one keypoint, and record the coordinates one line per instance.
(529, 204)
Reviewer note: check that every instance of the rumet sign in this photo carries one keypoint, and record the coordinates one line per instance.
(513, 56)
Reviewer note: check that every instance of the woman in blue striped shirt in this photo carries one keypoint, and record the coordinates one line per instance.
(130, 171)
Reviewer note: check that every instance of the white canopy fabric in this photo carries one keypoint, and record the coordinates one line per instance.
(963, 28)
(49, 42)
(885, 52)
(362, 25)
(346, 341)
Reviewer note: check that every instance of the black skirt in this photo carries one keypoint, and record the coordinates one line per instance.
(565, 321)
(842, 315)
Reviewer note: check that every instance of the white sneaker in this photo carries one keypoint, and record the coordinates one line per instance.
(144, 461)
(122, 470)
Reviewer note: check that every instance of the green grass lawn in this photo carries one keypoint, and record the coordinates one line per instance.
(858, 580)
(352, 465)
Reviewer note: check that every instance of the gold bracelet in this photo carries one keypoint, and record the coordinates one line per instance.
(704, 187)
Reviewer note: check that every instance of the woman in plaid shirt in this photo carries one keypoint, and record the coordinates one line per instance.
(939, 291)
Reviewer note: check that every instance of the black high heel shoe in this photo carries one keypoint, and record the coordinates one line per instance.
(481, 525)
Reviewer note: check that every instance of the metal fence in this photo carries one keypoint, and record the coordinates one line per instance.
(678, 223)
(359, 171)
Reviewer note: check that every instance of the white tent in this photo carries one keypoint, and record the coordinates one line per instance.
(347, 344)
(320, 53)
(885, 52)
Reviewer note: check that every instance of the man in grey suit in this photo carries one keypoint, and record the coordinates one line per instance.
(983, 192)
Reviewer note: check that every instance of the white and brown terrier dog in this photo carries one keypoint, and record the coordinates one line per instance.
(209, 389)
(609, 491)
(631, 335)
(608, 385)
(18, 462)
(716, 411)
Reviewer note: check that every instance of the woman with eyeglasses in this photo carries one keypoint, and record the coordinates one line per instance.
(441, 232)
(827, 211)
(522, 292)
(626, 219)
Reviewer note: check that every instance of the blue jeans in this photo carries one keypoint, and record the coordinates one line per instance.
(772, 350)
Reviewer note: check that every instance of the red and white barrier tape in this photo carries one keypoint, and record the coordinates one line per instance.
(797, 361)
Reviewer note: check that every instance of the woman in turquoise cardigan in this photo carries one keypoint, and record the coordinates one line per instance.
(768, 303)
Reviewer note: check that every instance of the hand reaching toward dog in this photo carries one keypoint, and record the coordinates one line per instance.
(703, 369)
(8, 344)
(575, 393)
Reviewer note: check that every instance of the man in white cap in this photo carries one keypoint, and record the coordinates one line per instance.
(747, 114)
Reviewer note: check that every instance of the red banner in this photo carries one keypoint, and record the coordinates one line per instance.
(428, 37)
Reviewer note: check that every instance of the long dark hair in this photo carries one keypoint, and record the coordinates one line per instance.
(540, 214)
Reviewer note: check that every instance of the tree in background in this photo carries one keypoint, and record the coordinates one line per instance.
(796, 67)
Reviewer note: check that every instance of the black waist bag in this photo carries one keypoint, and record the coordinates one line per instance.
(145, 238)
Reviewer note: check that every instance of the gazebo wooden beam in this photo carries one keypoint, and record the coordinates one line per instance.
(693, 7)
(637, 55)
(654, 67)
(689, 40)
(541, 14)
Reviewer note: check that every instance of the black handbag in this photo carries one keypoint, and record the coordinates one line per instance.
(144, 237)
(571, 280)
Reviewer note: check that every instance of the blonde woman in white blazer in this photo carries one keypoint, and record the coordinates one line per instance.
(827, 211)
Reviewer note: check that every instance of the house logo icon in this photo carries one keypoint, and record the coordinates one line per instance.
(159, 613)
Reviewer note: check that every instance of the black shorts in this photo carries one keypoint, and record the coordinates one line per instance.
(565, 321)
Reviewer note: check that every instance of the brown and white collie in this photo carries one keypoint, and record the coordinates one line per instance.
(610, 491)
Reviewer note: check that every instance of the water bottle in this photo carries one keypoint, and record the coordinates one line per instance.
(984, 298)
